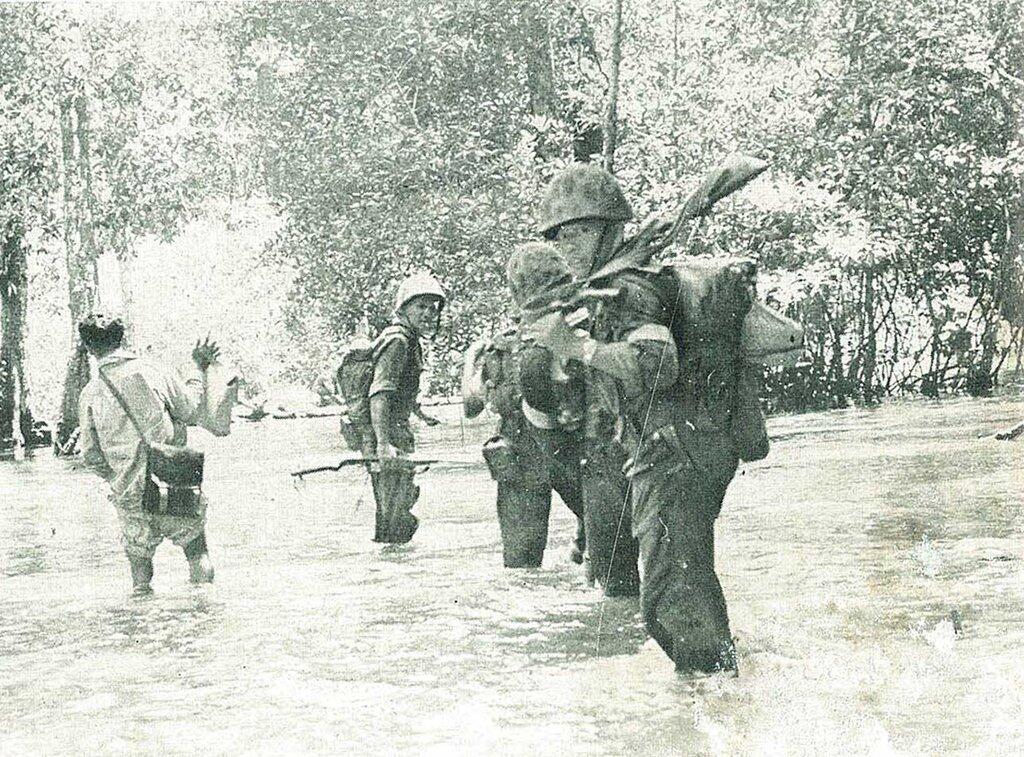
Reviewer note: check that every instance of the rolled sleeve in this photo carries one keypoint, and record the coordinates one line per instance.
(657, 356)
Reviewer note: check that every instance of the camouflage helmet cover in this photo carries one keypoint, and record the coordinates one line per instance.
(583, 190)
(536, 272)
(416, 285)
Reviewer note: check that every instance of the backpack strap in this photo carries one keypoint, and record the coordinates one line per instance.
(124, 405)
(389, 335)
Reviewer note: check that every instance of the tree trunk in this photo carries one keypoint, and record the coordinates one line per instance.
(15, 416)
(125, 266)
(611, 124)
(870, 345)
(80, 255)
(980, 378)
(1010, 281)
(838, 373)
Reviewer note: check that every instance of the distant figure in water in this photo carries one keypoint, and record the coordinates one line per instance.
(134, 394)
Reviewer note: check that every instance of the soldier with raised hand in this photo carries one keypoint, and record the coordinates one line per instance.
(131, 403)
(393, 394)
(533, 452)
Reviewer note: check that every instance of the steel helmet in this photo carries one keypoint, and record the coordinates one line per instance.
(583, 190)
(416, 285)
(536, 270)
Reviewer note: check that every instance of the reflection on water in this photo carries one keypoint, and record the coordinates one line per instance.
(843, 556)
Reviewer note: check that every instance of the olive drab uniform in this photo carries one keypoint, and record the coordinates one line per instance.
(686, 433)
(687, 412)
(533, 452)
(528, 458)
(397, 364)
(584, 191)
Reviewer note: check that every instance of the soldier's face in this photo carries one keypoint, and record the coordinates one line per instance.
(423, 314)
(588, 244)
(578, 243)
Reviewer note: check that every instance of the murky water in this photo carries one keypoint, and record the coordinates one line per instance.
(842, 557)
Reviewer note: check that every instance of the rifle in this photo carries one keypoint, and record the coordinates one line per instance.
(401, 462)
(663, 229)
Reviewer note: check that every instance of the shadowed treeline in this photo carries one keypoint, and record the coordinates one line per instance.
(397, 135)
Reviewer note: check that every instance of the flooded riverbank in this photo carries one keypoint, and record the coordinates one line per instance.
(845, 557)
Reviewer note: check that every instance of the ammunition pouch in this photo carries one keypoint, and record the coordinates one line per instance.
(500, 459)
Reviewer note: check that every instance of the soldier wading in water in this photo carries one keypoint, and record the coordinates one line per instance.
(533, 453)
(670, 400)
(583, 216)
(393, 392)
(131, 403)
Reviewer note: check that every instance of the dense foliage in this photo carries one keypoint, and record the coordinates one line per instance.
(368, 139)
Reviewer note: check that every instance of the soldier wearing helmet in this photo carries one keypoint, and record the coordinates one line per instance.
(393, 392)
(583, 213)
(663, 367)
(532, 454)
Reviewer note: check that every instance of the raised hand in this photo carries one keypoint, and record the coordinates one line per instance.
(205, 353)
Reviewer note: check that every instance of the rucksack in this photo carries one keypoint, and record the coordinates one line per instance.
(758, 338)
(354, 377)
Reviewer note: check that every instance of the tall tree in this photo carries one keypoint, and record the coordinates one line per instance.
(611, 123)
(15, 413)
(23, 187)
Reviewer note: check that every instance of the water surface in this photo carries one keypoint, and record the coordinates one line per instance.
(842, 557)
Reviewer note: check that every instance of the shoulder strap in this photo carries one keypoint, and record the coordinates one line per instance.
(390, 334)
(124, 405)
(393, 330)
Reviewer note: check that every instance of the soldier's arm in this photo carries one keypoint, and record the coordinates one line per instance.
(657, 356)
(387, 374)
(646, 361)
(380, 417)
(89, 442)
(620, 360)
(183, 393)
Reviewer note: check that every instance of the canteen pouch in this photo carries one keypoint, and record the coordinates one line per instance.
(176, 501)
(179, 472)
(499, 458)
